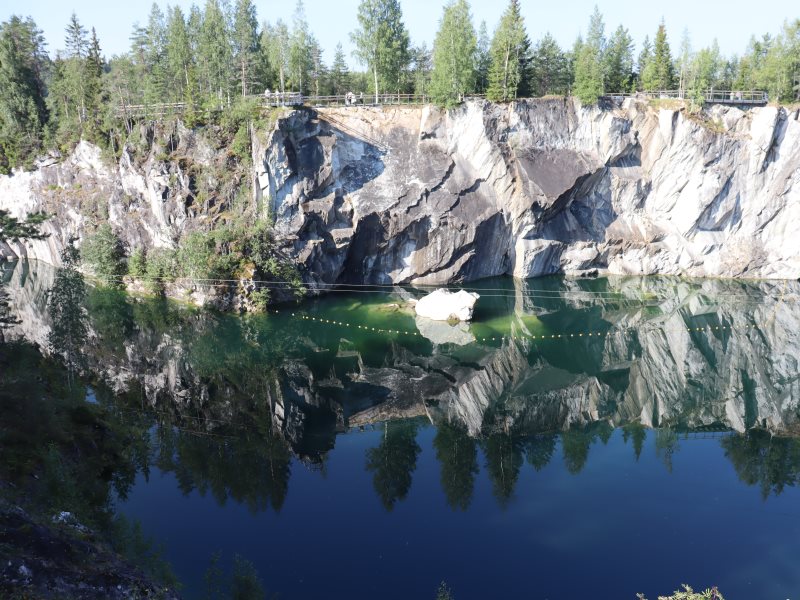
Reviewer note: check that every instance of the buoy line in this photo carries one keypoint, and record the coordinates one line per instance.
(550, 336)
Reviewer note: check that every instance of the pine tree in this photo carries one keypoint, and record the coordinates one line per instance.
(340, 75)
(319, 71)
(178, 57)
(588, 75)
(245, 44)
(510, 55)
(382, 42)
(454, 55)
(484, 60)
(619, 61)
(659, 73)
(572, 59)
(94, 100)
(23, 112)
(76, 38)
(645, 56)
(422, 69)
(550, 68)
(589, 67)
(66, 98)
(214, 53)
(74, 71)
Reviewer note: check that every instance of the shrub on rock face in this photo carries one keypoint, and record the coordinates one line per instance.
(161, 267)
(137, 263)
(102, 253)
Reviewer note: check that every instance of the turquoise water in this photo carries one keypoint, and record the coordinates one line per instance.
(581, 438)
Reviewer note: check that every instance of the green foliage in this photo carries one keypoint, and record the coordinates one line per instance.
(382, 43)
(246, 44)
(339, 74)
(23, 114)
(260, 299)
(102, 252)
(225, 253)
(76, 97)
(246, 584)
(58, 480)
(12, 229)
(161, 264)
(444, 593)
(589, 67)
(214, 54)
(550, 68)
(658, 72)
(137, 263)
(503, 464)
(760, 459)
(458, 455)
(393, 461)
(454, 55)
(618, 61)
(421, 69)
(687, 593)
(510, 56)
(130, 541)
(65, 306)
(588, 75)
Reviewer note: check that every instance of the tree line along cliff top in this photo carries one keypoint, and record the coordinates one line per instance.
(216, 55)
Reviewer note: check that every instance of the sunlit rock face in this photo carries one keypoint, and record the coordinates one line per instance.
(534, 187)
(651, 367)
(420, 195)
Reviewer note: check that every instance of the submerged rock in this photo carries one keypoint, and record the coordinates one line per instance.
(444, 305)
(440, 332)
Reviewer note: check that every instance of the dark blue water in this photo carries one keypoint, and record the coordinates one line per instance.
(345, 449)
(618, 527)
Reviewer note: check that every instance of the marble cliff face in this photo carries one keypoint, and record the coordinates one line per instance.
(418, 195)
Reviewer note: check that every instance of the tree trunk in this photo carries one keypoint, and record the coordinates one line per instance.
(375, 75)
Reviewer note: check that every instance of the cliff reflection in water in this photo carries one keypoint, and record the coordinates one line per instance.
(226, 402)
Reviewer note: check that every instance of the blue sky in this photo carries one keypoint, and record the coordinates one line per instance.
(731, 22)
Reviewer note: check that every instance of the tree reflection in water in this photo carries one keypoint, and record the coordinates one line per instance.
(393, 461)
(765, 460)
(458, 455)
(231, 404)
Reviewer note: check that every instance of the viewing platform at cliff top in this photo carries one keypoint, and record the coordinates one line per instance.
(278, 99)
(730, 97)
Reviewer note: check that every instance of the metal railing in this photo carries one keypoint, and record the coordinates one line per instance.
(276, 100)
(711, 96)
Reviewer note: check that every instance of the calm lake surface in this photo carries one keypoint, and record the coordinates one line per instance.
(580, 439)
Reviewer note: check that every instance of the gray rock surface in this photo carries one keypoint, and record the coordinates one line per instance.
(649, 369)
(418, 195)
(535, 187)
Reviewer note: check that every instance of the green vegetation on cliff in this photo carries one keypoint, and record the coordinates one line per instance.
(204, 62)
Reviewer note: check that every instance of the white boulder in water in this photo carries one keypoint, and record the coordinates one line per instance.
(444, 305)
